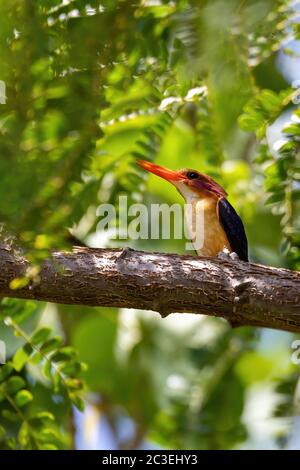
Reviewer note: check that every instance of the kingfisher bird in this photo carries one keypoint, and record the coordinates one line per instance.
(223, 229)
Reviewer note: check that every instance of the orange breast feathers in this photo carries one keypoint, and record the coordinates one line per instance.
(203, 216)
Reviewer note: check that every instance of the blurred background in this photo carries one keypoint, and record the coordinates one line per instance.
(90, 87)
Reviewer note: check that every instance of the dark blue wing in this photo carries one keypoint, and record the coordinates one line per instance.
(234, 228)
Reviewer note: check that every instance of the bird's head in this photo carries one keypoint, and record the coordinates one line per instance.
(190, 183)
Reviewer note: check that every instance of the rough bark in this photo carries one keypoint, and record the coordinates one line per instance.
(243, 293)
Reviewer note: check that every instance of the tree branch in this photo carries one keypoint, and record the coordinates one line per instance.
(243, 293)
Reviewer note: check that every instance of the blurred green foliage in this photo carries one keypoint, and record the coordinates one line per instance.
(90, 87)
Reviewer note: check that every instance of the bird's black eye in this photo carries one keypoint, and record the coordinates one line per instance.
(192, 175)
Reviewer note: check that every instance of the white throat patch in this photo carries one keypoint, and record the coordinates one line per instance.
(188, 194)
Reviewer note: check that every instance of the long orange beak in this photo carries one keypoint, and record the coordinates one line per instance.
(165, 173)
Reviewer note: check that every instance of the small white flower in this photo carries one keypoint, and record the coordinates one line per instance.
(74, 13)
(167, 102)
(62, 17)
(198, 91)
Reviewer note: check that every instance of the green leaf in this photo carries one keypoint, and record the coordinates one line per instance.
(23, 397)
(270, 101)
(48, 435)
(40, 336)
(292, 129)
(77, 401)
(75, 384)
(47, 446)
(11, 416)
(21, 357)
(51, 344)
(36, 358)
(64, 354)
(13, 384)
(46, 369)
(57, 382)
(275, 198)
(287, 148)
(5, 371)
(11, 443)
(249, 122)
(43, 416)
(24, 435)
(19, 310)
(70, 368)
(2, 432)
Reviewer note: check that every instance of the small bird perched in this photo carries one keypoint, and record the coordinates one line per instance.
(224, 233)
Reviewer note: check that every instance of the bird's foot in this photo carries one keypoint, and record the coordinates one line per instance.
(226, 255)
(234, 256)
